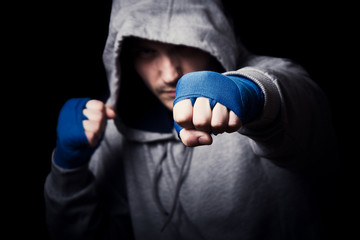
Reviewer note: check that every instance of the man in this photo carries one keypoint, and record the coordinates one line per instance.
(241, 162)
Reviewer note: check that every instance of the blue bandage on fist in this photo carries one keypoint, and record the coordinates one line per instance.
(72, 146)
(238, 94)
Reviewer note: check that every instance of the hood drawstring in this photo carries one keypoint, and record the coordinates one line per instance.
(185, 167)
(157, 175)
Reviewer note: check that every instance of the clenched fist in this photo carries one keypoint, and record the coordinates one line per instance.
(212, 102)
(81, 125)
(198, 120)
(97, 113)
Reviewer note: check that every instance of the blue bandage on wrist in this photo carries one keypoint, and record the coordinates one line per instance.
(241, 95)
(72, 146)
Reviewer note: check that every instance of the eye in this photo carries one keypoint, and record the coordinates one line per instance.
(145, 52)
(180, 47)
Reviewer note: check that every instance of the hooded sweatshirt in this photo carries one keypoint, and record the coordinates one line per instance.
(261, 182)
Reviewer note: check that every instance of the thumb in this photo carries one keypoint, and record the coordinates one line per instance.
(110, 112)
(193, 138)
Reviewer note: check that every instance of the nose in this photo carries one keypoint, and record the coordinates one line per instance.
(169, 69)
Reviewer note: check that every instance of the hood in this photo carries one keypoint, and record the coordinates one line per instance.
(195, 23)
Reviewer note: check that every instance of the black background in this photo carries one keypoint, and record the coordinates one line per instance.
(55, 53)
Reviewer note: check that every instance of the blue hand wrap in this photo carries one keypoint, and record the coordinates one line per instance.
(72, 146)
(241, 95)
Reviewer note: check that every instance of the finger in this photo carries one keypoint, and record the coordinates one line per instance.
(93, 138)
(193, 138)
(109, 112)
(183, 114)
(93, 131)
(93, 114)
(219, 118)
(95, 105)
(202, 114)
(234, 123)
(93, 126)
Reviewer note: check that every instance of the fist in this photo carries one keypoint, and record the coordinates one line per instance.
(97, 113)
(199, 121)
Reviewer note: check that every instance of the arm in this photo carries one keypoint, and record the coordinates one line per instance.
(294, 120)
(70, 194)
(72, 210)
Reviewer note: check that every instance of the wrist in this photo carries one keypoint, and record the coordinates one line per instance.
(252, 97)
(72, 146)
(271, 96)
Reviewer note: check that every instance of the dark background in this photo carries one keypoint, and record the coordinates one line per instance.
(55, 53)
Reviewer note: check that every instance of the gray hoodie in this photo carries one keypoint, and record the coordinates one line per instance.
(258, 183)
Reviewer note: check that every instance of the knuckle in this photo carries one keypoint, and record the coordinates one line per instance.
(201, 124)
(217, 123)
(92, 126)
(233, 125)
(184, 121)
(182, 112)
(98, 116)
(94, 115)
(182, 118)
(186, 139)
(95, 104)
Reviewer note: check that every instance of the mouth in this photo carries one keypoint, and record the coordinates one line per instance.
(170, 92)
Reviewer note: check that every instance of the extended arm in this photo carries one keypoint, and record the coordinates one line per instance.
(294, 122)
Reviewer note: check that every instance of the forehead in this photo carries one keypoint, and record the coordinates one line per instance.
(138, 42)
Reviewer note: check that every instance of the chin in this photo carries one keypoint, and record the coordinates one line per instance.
(168, 104)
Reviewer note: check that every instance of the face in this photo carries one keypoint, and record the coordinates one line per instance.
(161, 65)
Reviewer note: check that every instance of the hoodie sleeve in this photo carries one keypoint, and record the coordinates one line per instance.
(71, 203)
(295, 122)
